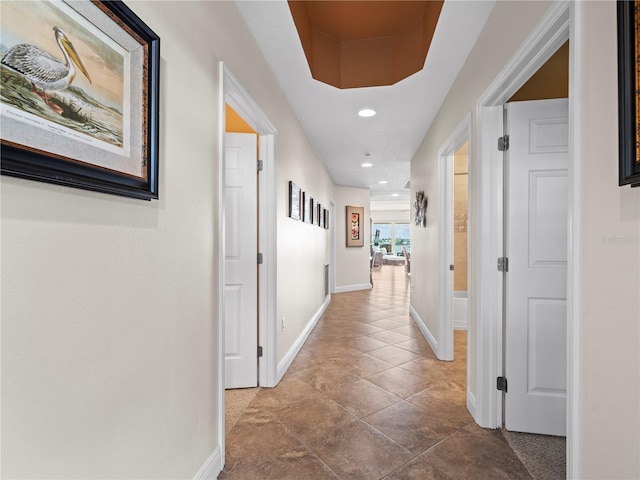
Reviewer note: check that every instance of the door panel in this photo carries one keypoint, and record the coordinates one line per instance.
(547, 340)
(547, 222)
(241, 248)
(536, 244)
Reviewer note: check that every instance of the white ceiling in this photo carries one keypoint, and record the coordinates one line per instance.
(405, 110)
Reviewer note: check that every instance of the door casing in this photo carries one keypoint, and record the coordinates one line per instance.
(332, 227)
(559, 24)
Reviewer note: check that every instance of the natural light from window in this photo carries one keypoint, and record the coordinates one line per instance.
(392, 236)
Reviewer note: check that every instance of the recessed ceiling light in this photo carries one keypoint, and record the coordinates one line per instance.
(395, 195)
(367, 112)
(367, 164)
(382, 182)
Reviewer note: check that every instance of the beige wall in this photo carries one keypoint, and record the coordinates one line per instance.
(352, 263)
(303, 249)
(109, 305)
(609, 289)
(610, 267)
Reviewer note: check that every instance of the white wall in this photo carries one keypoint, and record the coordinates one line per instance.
(109, 306)
(609, 342)
(610, 268)
(352, 263)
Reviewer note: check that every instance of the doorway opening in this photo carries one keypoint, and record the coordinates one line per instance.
(235, 96)
(453, 239)
(460, 188)
(554, 30)
(242, 210)
(536, 223)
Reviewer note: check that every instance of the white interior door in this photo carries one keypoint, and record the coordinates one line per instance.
(241, 248)
(536, 288)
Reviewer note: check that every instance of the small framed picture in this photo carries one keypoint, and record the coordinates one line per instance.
(320, 216)
(294, 201)
(306, 207)
(326, 219)
(355, 226)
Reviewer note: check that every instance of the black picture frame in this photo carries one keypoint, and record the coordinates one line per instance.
(319, 216)
(306, 208)
(628, 93)
(295, 201)
(40, 163)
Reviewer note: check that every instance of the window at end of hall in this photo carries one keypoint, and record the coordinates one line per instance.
(392, 236)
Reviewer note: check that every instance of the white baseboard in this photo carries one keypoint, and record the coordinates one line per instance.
(212, 467)
(285, 363)
(472, 404)
(460, 312)
(431, 340)
(354, 288)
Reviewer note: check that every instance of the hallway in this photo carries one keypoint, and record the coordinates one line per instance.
(367, 399)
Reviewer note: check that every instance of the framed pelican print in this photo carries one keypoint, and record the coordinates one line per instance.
(629, 93)
(79, 96)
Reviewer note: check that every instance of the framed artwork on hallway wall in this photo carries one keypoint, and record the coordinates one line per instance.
(294, 201)
(306, 205)
(355, 226)
(80, 96)
(420, 206)
(629, 93)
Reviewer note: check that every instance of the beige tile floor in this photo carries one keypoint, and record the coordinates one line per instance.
(367, 399)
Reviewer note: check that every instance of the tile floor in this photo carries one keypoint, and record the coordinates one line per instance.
(367, 399)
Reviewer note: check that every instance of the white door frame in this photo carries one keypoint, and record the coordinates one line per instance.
(559, 24)
(332, 229)
(232, 92)
(457, 139)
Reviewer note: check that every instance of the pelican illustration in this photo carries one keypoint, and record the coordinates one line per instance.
(44, 70)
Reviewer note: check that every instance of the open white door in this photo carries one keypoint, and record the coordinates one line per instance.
(536, 288)
(241, 248)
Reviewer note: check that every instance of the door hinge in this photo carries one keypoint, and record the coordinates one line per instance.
(451, 267)
(503, 264)
(503, 143)
(260, 352)
(260, 259)
(501, 384)
(260, 165)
